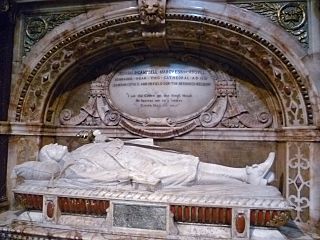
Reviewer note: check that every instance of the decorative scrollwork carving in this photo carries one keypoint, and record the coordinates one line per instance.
(214, 117)
(263, 120)
(264, 117)
(182, 28)
(168, 122)
(96, 111)
(228, 111)
(298, 181)
(223, 109)
(112, 118)
(66, 117)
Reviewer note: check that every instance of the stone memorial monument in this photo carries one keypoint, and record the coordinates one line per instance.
(226, 82)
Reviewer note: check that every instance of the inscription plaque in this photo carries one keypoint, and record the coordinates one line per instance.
(160, 88)
(139, 216)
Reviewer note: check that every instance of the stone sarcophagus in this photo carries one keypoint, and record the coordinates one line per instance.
(161, 214)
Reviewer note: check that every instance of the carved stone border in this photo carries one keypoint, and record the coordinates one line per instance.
(41, 78)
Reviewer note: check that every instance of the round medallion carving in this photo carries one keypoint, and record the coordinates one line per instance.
(36, 28)
(291, 16)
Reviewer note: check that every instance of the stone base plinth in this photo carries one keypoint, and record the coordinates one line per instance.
(21, 225)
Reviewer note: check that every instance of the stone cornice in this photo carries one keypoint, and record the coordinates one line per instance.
(296, 134)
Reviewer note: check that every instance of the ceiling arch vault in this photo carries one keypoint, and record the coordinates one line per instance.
(214, 29)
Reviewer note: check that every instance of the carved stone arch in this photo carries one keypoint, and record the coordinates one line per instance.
(224, 28)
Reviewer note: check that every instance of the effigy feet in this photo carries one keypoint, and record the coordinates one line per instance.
(259, 174)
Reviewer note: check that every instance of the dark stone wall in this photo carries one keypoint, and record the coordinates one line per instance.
(6, 51)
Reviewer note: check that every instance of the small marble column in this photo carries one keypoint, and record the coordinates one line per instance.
(6, 50)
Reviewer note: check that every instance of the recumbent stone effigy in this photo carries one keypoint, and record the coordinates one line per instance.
(140, 187)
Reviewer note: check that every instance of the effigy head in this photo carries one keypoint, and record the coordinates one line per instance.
(51, 152)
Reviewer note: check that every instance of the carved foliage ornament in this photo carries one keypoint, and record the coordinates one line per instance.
(165, 97)
(36, 27)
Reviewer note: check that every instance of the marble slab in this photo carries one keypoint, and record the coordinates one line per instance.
(139, 216)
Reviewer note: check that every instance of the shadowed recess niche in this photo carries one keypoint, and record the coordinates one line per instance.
(163, 96)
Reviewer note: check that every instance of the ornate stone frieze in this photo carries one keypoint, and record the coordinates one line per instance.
(292, 16)
(37, 26)
(169, 94)
(298, 179)
(288, 83)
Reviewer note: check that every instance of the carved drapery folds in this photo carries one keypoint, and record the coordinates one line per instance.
(223, 108)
